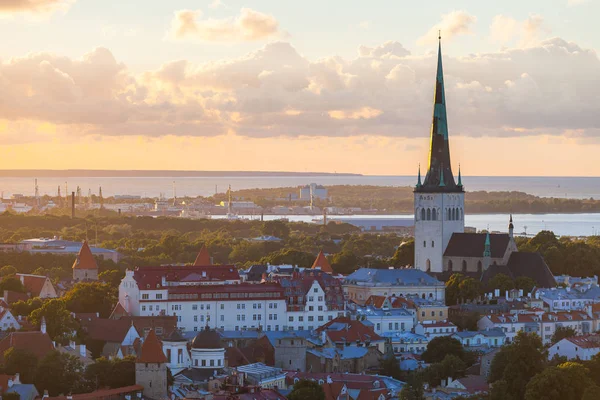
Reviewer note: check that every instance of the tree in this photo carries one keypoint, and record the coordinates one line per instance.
(25, 308)
(502, 282)
(344, 262)
(413, 389)
(91, 297)
(290, 257)
(440, 347)
(500, 391)
(11, 283)
(591, 393)
(7, 270)
(391, 367)
(112, 277)
(568, 381)
(405, 254)
(60, 325)
(469, 289)
(562, 332)
(276, 228)
(307, 390)
(451, 366)
(22, 362)
(111, 373)
(525, 283)
(58, 373)
(518, 362)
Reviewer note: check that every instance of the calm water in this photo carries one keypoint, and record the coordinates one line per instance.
(205, 186)
(560, 224)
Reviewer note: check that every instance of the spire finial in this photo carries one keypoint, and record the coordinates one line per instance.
(439, 34)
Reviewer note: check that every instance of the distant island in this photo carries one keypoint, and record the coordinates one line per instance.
(71, 173)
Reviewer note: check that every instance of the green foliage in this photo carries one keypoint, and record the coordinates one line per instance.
(11, 396)
(502, 282)
(563, 332)
(413, 390)
(275, 228)
(91, 297)
(11, 283)
(525, 283)
(440, 347)
(517, 363)
(58, 373)
(460, 288)
(450, 366)
(290, 256)
(344, 262)
(60, 325)
(500, 391)
(113, 373)
(25, 308)
(591, 393)
(8, 270)
(405, 254)
(112, 277)
(20, 361)
(390, 366)
(568, 381)
(307, 390)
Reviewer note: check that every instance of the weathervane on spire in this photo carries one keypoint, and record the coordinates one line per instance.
(440, 34)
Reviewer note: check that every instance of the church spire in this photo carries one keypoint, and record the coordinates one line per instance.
(439, 174)
(419, 178)
(459, 184)
(487, 252)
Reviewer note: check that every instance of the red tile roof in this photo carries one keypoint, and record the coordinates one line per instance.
(586, 341)
(152, 351)
(37, 343)
(375, 301)
(344, 329)
(102, 394)
(85, 259)
(151, 277)
(33, 283)
(12, 297)
(118, 312)
(474, 383)
(203, 258)
(322, 263)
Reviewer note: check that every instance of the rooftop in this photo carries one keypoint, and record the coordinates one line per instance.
(392, 277)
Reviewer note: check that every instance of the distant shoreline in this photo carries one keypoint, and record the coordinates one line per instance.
(104, 173)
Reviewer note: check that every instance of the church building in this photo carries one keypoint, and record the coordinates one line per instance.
(441, 245)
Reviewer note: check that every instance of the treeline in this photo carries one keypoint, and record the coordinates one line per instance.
(394, 199)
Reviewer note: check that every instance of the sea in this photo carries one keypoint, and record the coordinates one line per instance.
(582, 224)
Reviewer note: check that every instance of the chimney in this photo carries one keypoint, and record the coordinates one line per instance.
(43, 325)
(45, 396)
(496, 292)
(17, 379)
(82, 350)
(72, 344)
(72, 205)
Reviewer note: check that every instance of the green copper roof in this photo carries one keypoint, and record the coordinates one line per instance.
(439, 175)
(487, 252)
(419, 178)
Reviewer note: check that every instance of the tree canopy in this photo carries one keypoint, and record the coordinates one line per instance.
(307, 390)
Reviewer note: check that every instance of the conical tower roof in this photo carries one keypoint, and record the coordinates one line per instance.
(152, 351)
(85, 259)
(439, 177)
(203, 258)
(322, 263)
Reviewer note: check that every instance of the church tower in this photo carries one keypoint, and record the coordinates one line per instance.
(439, 200)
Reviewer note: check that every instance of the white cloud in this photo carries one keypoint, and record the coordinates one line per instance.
(275, 91)
(33, 6)
(452, 24)
(249, 25)
(507, 30)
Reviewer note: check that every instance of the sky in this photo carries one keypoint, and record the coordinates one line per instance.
(278, 85)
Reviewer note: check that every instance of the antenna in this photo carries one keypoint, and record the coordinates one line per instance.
(229, 200)
(37, 194)
(174, 194)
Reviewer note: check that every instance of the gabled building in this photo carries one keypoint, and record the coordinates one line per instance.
(322, 264)
(576, 347)
(85, 267)
(151, 368)
(7, 320)
(38, 286)
(434, 329)
(312, 298)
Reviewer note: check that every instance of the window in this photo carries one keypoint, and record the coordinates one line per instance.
(222, 306)
(320, 317)
(320, 308)
(212, 363)
(464, 266)
(450, 265)
(145, 296)
(311, 318)
(301, 318)
(150, 308)
(424, 243)
(316, 290)
(143, 308)
(195, 307)
(429, 214)
(195, 318)
(320, 298)
(432, 243)
(291, 319)
(311, 308)
(204, 363)
(434, 214)
(159, 296)
(222, 318)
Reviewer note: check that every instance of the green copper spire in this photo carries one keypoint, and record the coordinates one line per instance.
(439, 177)
(486, 250)
(442, 182)
(459, 177)
(419, 178)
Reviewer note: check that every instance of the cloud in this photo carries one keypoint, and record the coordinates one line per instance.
(384, 91)
(452, 24)
(249, 25)
(33, 6)
(506, 30)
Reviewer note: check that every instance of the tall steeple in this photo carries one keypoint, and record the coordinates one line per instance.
(439, 176)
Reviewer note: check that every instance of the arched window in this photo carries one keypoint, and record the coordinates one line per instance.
(428, 264)
(448, 214)
(432, 243)
(459, 214)
(464, 266)
(423, 297)
(429, 214)
(433, 214)
(479, 266)
(422, 214)
(450, 266)
(454, 214)
(424, 243)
